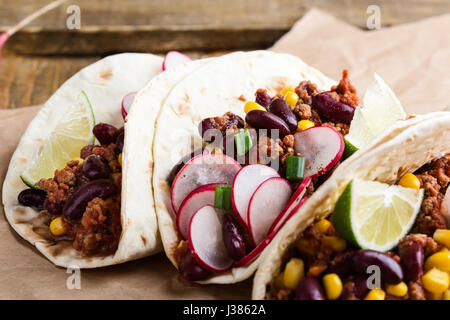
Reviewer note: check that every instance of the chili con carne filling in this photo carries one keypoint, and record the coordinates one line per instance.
(83, 199)
(323, 251)
(308, 103)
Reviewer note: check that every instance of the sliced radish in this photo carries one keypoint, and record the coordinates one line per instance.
(445, 207)
(174, 58)
(260, 247)
(202, 196)
(265, 205)
(206, 240)
(322, 147)
(246, 181)
(289, 214)
(127, 101)
(292, 203)
(200, 170)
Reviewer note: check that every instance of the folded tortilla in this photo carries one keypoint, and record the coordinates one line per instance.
(105, 82)
(213, 89)
(405, 147)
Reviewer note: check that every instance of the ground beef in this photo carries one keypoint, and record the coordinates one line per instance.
(99, 229)
(305, 91)
(342, 128)
(302, 111)
(346, 91)
(416, 291)
(434, 179)
(427, 243)
(348, 291)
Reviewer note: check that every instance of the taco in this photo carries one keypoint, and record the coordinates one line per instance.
(74, 210)
(377, 229)
(236, 146)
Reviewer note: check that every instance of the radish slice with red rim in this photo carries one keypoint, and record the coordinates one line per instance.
(322, 147)
(289, 214)
(127, 101)
(292, 203)
(246, 181)
(266, 204)
(206, 240)
(200, 170)
(174, 58)
(202, 196)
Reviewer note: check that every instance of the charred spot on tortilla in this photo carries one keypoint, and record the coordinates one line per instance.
(183, 109)
(105, 74)
(21, 161)
(202, 91)
(242, 98)
(144, 240)
(150, 165)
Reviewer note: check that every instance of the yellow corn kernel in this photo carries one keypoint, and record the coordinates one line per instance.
(410, 181)
(80, 160)
(435, 281)
(440, 260)
(279, 281)
(444, 249)
(442, 236)
(397, 290)
(446, 295)
(286, 90)
(305, 124)
(293, 273)
(304, 247)
(375, 294)
(57, 227)
(335, 243)
(291, 98)
(323, 225)
(333, 286)
(119, 158)
(251, 105)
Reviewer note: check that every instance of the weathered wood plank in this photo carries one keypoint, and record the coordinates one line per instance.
(31, 80)
(157, 26)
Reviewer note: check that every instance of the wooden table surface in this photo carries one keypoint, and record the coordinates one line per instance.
(38, 59)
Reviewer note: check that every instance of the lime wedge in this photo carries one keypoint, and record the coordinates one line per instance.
(374, 215)
(71, 133)
(381, 108)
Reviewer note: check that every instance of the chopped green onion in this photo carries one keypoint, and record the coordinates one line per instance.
(295, 166)
(222, 197)
(243, 142)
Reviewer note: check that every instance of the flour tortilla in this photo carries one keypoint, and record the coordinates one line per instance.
(105, 83)
(212, 90)
(426, 139)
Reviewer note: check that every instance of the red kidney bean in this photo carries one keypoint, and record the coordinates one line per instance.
(180, 164)
(411, 258)
(265, 120)
(331, 109)
(280, 108)
(32, 198)
(342, 265)
(96, 167)
(360, 288)
(190, 269)
(309, 289)
(262, 98)
(76, 203)
(233, 238)
(391, 271)
(105, 133)
(119, 143)
(54, 209)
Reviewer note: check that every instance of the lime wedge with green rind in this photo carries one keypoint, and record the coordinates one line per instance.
(381, 108)
(71, 133)
(374, 215)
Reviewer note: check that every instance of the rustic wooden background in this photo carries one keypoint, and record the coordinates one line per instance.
(38, 59)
